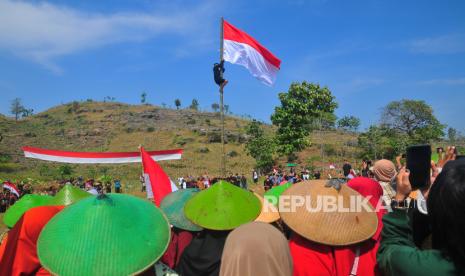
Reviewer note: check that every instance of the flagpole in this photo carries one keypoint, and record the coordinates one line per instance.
(223, 157)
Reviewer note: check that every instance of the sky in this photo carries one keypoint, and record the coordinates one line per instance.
(367, 52)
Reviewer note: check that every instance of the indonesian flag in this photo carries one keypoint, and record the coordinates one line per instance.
(97, 157)
(12, 187)
(242, 49)
(157, 182)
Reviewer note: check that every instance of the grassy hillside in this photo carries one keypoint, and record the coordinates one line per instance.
(97, 126)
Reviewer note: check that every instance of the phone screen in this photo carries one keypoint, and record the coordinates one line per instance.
(419, 165)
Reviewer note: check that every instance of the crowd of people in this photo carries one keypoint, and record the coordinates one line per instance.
(218, 227)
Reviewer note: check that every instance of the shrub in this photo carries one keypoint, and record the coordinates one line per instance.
(232, 153)
(150, 129)
(204, 150)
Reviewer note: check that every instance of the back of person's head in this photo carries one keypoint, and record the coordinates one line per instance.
(446, 208)
(256, 248)
(384, 170)
(346, 169)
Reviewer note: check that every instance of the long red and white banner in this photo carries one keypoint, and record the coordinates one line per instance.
(98, 157)
(242, 49)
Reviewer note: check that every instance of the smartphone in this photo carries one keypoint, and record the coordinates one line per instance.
(459, 157)
(419, 165)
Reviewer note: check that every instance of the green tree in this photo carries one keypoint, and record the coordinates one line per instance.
(65, 171)
(177, 103)
(349, 123)
(194, 105)
(452, 134)
(300, 107)
(215, 107)
(16, 108)
(413, 118)
(260, 146)
(143, 98)
(226, 109)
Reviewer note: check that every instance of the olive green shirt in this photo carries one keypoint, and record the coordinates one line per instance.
(398, 255)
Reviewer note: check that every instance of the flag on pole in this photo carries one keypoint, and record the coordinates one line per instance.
(157, 182)
(242, 49)
(11, 187)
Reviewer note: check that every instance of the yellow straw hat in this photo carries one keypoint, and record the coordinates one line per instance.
(344, 226)
(269, 212)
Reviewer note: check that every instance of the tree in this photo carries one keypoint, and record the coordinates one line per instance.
(16, 108)
(260, 146)
(349, 123)
(65, 170)
(27, 112)
(194, 105)
(300, 107)
(215, 107)
(143, 98)
(177, 103)
(415, 119)
(452, 134)
(226, 109)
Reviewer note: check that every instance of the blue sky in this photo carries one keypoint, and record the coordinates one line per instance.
(368, 52)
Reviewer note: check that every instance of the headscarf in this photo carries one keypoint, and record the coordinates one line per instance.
(20, 254)
(203, 255)
(311, 258)
(384, 170)
(256, 248)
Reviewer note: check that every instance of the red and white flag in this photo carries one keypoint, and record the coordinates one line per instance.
(242, 49)
(11, 187)
(97, 157)
(157, 182)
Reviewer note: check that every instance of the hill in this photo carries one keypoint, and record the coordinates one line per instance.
(98, 126)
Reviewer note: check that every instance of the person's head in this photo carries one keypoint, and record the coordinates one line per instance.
(346, 169)
(256, 248)
(384, 170)
(446, 205)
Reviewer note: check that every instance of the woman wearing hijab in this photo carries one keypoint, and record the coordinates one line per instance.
(312, 258)
(216, 210)
(385, 171)
(256, 248)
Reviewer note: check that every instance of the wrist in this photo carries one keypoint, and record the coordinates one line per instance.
(400, 197)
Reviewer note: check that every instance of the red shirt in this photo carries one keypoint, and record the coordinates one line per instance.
(20, 253)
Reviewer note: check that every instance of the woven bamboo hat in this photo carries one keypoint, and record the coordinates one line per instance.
(113, 234)
(173, 207)
(335, 228)
(269, 212)
(16, 211)
(223, 206)
(272, 195)
(68, 195)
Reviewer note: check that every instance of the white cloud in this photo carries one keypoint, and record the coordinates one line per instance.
(446, 44)
(451, 81)
(43, 32)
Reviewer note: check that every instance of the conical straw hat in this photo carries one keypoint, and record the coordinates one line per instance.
(173, 207)
(272, 195)
(113, 234)
(68, 195)
(223, 206)
(331, 227)
(14, 213)
(269, 212)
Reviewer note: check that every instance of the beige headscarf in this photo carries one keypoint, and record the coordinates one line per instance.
(384, 170)
(256, 248)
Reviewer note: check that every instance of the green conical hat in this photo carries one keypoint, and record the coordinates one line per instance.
(173, 206)
(16, 211)
(68, 195)
(223, 206)
(273, 194)
(113, 234)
